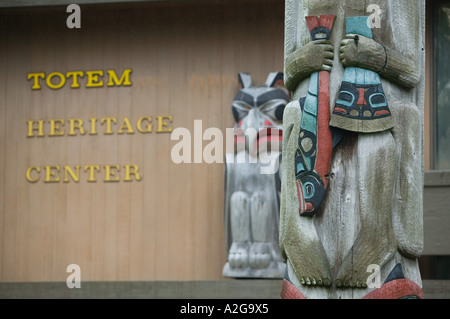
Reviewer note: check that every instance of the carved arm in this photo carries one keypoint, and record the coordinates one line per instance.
(363, 52)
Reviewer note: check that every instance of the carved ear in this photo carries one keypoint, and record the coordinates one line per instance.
(275, 79)
(245, 80)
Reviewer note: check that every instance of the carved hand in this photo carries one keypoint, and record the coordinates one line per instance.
(313, 57)
(368, 54)
(363, 52)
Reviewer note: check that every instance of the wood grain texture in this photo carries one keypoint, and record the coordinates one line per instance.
(374, 202)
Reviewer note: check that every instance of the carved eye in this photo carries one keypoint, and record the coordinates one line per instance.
(377, 100)
(240, 110)
(274, 109)
(309, 190)
(346, 98)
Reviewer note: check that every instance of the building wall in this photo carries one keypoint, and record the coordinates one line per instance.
(164, 223)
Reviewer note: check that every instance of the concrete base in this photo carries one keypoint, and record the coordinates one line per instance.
(226, 289)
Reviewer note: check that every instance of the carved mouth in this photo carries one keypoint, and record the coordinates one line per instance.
(269, 135)
(263, 141)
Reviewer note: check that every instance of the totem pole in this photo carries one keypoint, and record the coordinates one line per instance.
(252, 185)
(351, 216)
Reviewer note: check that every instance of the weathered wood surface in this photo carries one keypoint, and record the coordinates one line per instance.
(372, 213)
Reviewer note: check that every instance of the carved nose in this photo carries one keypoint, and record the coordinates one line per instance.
(253, 119)
(361, 100)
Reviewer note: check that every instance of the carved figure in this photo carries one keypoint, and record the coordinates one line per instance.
(370, 215)
(252, 186)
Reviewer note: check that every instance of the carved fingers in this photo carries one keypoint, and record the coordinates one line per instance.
(321, 54)
(313, 57)
(360, 51)
(348, 52)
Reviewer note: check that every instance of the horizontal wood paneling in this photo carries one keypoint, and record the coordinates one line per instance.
(184, 62)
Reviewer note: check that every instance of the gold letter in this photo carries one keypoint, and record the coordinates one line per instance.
(91, 169)
(125, 125)
(148, 127)
(134, 171)
(93, 78)
(50, 175)
(31, 128)
(55, 127)
(78, 126)
(57, 86)
(93, 121)
(75, 75)
(33, 168)
(162, 125)
(109, 173)
(124, 80)
(108, 121)
(75, 177)
(36, 77)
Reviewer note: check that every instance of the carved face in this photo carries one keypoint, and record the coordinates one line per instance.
(260, 108)
(362, 101)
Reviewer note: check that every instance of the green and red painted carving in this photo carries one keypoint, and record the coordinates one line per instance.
(361, 105)
(312, 160)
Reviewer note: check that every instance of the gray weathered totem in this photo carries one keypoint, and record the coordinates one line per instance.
(253, 182)
(362, 236)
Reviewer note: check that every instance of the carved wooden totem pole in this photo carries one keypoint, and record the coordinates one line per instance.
(252, 180)
(351, 216)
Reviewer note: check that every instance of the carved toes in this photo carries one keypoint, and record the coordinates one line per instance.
(260, 260)
(238, 255)
(315, 282)
(260, 255)
(238, 259)
(349, 283)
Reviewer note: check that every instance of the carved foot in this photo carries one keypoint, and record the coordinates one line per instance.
(375, 243)
(306, 254)
(260, 255)
(238, 256)
(356, 267)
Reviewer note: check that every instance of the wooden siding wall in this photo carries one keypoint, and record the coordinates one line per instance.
(184, 60)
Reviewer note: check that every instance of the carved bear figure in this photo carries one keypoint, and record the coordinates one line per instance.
(252, 180)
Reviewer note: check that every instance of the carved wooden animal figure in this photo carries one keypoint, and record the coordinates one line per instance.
(371, 214)
(252, 180)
